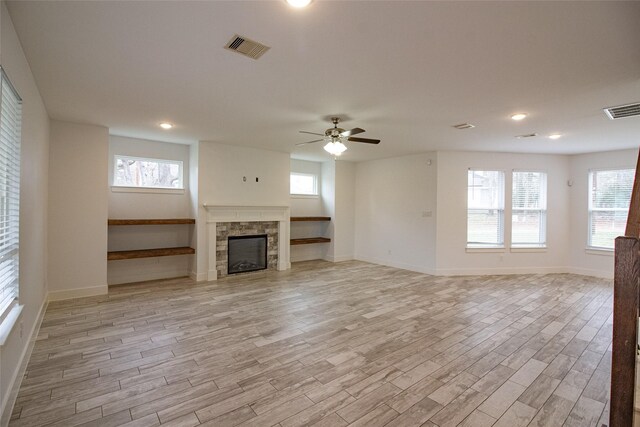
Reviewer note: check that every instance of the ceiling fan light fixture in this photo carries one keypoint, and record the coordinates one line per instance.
(335, 148)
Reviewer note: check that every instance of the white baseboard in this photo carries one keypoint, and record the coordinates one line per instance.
(338, 258)
(14, 385)
(198, 277)
(400, 265)
(499, 271)
(308, 257)
(488, 271)
(78, 293)
(593, 273)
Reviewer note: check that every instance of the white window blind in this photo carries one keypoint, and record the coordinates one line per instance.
(485, 209)
(610, 194)
(529, 209)
(10, 127)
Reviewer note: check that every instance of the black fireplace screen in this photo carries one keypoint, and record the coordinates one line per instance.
(246, 253)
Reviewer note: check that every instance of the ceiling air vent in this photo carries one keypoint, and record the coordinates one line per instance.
(464, 126)
(526, 135)
(623, 111)
(246, 47)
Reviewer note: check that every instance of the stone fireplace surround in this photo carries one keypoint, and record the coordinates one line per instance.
(224, 230)
(246, 216)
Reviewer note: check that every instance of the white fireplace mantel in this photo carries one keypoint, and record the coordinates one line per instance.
(239, 213)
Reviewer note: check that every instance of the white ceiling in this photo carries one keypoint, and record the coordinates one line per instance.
(404, 71)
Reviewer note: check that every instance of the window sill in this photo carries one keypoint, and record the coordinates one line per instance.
(599, 251)
(495, 249)
(9, 322)
(120, 189)
(532, 249)
(305, 196)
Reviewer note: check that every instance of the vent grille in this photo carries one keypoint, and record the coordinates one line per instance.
(464, 126)
(623, 111)
(526, 135)
(246, 47)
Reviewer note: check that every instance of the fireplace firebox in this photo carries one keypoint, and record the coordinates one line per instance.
(246, 253)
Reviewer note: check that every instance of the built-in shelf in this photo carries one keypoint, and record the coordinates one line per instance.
(160, 221)
(309, 240)
(149, 253)
(310, 218)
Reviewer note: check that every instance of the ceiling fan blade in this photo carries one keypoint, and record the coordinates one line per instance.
(309, 142)
(311, 133)
(353, 131)
(365, 140)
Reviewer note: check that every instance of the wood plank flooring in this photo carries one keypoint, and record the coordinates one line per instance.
(328, 345)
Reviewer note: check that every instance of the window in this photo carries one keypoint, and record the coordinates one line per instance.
(485, 209)
(147, 173)
(10, 127)
(305, 184)
(609, 196)
(529, 210)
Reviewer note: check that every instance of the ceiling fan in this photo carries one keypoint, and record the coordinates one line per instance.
(336, 137)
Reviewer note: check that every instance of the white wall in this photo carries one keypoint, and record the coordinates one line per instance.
(221, 169)
(78, 210)
(583, 261)
(308, 206)
(394, 198)
(328, 193)
(344, 221)
(194, 202)
(33, 215)
(452, 256)
(154, 204)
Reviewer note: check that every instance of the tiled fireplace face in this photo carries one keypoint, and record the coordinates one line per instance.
(226, 229)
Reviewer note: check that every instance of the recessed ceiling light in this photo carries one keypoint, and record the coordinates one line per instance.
(166, 125)
(555, 136)
(519, 116)
(299, 3)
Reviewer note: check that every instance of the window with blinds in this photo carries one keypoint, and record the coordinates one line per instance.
(485, 209)
(609, 197)
(529, 210)
(10, 125)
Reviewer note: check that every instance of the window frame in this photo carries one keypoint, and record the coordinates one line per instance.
(602, 249)
(142, 189)
(488, 247)
(542, 211)
(316, 187)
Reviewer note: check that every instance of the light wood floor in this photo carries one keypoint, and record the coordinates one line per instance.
(328, 345)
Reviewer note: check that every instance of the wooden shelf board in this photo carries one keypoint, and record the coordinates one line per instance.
(309, 240)
(310, 218)
(149, 253)
(158, 221)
